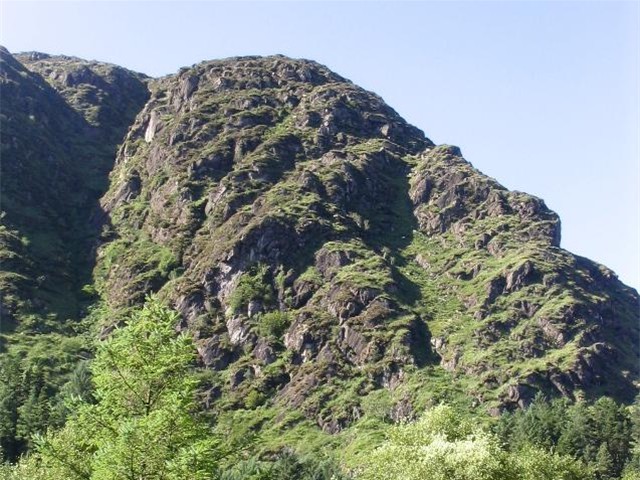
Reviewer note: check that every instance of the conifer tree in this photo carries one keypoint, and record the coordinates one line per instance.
(142, 425)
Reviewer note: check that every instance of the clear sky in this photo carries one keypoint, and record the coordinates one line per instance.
(542, 96)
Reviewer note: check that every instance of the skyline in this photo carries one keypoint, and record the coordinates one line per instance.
(541, 96)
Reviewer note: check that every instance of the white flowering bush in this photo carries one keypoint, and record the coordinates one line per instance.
(443, 446)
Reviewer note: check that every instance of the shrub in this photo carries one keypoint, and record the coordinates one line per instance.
(254, 399)
(273, 324)
(252, 286)
(444, 446)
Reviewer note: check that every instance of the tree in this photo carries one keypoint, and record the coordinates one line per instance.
(632, 469)
(79, 387)
(286, 466)
(534, 463)
(612, 432)
(442, 446)
(142, 425)
(10, 399)
(540, 424)
(604, 463)
(33, 414)
(576, 438)
(439, 446)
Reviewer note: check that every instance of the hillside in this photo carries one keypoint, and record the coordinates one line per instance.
(58, 142)
(260, 188)
(58, 145)
(324, 255)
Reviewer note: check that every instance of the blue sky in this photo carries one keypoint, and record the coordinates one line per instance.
(542, 96)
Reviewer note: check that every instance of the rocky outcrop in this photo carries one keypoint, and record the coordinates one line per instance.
(318, 248)
(448, 193)
(353, 216)
(526, 298)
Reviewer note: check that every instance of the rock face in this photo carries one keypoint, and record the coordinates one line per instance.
(319, 248)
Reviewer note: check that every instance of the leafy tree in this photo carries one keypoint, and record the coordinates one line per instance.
(443, 446)
(25, 470)
(142, 425)
(438, 446)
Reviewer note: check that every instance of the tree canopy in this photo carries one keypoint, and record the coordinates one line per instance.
(143, 424)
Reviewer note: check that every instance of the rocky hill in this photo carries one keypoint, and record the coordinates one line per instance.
(58, 145)
(322, 252)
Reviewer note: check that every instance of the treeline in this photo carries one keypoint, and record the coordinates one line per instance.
(549, 441)
(39, 381)
(133, 413)
(604, 435)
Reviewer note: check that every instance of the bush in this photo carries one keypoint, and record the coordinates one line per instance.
(273, 324)
(442, 445)
(252, 286)
(254, 399)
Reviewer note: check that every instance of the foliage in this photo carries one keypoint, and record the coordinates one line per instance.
(142, 424)
(632, 469)
(252, 286)
(273, 324)
(443, 446)
(254, 399)
(38, 378)
(598, 434)
(287, 466)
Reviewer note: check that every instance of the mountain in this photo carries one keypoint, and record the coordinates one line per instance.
(58, 145)
(61, 121)
(324, 254)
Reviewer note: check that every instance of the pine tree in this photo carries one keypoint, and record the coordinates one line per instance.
(576, 438)
(632, 468)
(604, 463)
(10, 399)
(540, 424)
(142, 426)
(33, 414)
(611, 427)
